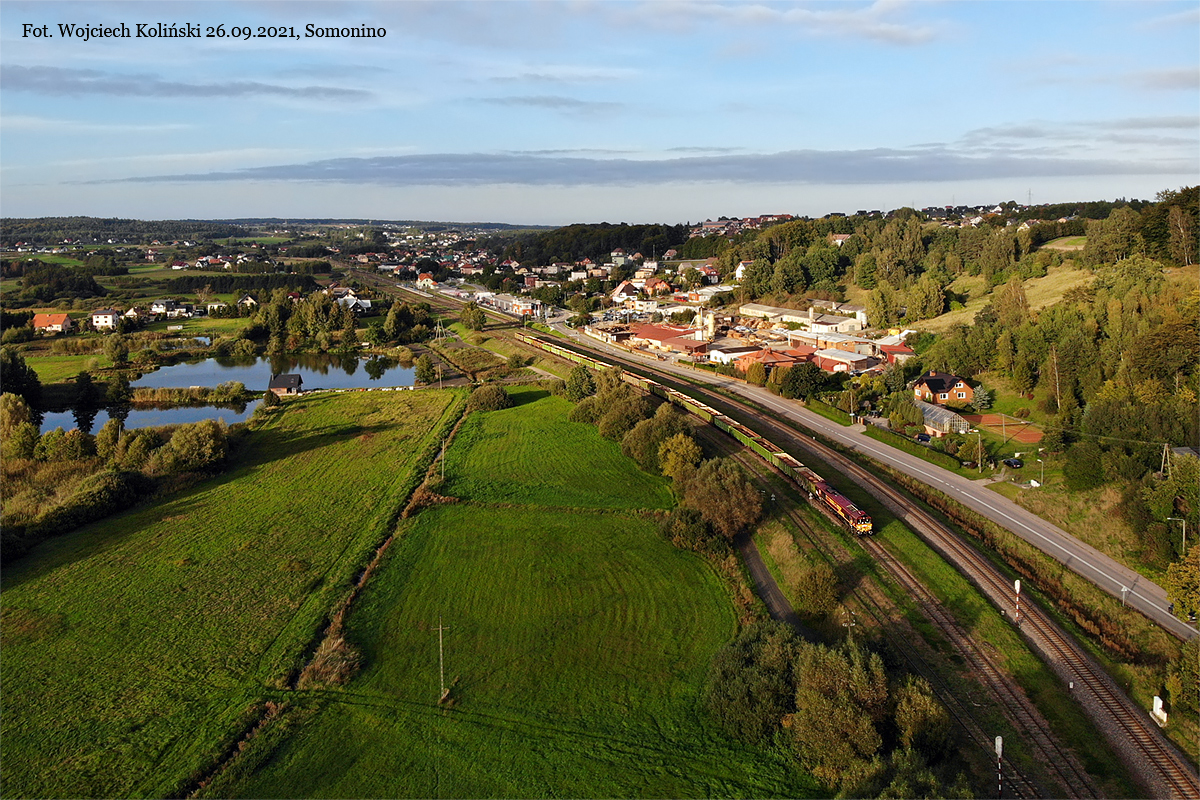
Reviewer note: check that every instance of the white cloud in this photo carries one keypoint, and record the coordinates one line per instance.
(50, 125)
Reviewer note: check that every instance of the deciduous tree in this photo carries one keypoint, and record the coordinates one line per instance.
(721, 492)
(580, 383)
(425, 372)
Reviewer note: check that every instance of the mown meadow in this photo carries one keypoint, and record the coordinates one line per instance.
(134, 647)
(577, 641)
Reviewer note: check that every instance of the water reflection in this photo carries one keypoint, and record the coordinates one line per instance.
(318, 371)
(84, 417)
(151, 417)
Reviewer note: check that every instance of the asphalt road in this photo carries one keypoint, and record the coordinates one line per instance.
(1111, 576)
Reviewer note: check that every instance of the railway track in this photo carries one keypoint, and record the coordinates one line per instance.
(1128, 728)
(1162, 768)
(1063, 768)
(1157, 763)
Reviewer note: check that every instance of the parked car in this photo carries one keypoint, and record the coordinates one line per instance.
(923, 438)
(1015, 463)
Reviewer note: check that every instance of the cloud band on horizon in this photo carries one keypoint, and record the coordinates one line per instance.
(874, 166)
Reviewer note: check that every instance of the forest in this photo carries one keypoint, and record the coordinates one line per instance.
(133, 231)
(573, 243)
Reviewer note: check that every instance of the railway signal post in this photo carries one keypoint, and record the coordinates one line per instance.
(999, 767)
(1017, 588)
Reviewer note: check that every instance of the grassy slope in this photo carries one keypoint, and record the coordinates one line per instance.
(131, 645)
(1040, 292)
(579, 643)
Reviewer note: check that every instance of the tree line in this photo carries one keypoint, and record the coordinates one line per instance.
(56, 229)
(573, 243)
(59, 480)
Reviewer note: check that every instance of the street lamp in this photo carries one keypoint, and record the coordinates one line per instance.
(1043, 463)
(1183, 544)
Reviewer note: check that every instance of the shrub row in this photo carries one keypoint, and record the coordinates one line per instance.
(97, 496)
(828, 411)
(900, 442)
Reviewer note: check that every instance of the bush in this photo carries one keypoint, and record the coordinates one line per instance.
(1084, 468)
(817, 589)
(622, 414)
(750, 685)
(643, 442)
(425, 371)
(586, 411)
(199, 445)
(580, 384)
(335, 662)
(21, 442)
(17, 335)
(490, 397)
(724, 496)
(97, 496)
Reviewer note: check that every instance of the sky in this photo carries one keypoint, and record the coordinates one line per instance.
(551, 113)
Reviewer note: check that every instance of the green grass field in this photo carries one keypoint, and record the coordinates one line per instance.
(576, 644)
(1066, 243)
(132, 646)
(202, 326)
(51, 258)
(56, 369)
(533, 456)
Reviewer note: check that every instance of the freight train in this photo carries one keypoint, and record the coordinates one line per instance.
(817, 487)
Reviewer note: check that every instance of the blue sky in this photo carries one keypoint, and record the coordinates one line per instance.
(558, 112)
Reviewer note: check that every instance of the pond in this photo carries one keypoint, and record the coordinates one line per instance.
(316, 370)
(152, 417)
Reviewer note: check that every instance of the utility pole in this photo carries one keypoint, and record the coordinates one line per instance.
(441, 662)
(849, 624)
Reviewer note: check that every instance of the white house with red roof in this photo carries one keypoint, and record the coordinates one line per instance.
(52, 323)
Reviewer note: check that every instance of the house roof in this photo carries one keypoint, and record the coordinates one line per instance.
(105, 311)
(767, 357)
(625, 289)
(285, 381)
(657, 333)
(844, 356)
(937, 381)
(46, 320)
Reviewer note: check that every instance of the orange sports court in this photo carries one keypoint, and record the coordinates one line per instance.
(1017, 430)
